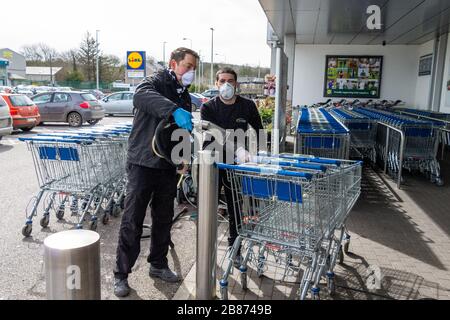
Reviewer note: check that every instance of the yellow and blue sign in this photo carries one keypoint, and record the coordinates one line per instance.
(135, 60)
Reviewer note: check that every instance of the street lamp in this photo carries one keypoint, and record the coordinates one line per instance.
(189, 40)
(96, 42)
(164, 53)
(212, 56)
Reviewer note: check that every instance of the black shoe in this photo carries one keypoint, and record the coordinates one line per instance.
(121, 288)
(164, 274)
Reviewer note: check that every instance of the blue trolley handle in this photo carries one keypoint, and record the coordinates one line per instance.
(55, 139)
(266, 170)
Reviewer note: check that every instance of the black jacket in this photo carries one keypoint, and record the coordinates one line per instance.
(156, 98)
(236, 116)
(239, 115)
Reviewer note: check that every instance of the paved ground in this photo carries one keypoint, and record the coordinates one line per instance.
(405, 233)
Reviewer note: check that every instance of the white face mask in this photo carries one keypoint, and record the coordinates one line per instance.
(226, 91)
(188, 78)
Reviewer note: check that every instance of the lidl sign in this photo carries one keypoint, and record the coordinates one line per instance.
(135, 60)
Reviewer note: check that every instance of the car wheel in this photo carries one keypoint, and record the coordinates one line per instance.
(74, 119)
(27, 129)
(93, 122)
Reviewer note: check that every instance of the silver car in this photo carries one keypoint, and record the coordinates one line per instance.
(5, 119)
(73, 107)
(118, 103)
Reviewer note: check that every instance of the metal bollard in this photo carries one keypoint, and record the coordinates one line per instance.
(72, 265)
(207, 226)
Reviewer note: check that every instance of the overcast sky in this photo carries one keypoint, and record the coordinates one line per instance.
(239, 36)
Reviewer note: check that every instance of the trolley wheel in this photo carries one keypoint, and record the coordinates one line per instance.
(60, 214)
(331, 285)
(315, 296)
(224, 293)
(346, 246)
(44, 221)
(244, 280)
(341, 255)
(93, 225)
(26, 230)
(116, 210)
(439, 182)
(105, 218)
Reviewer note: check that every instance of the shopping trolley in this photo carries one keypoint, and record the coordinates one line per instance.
(363, 132)
(439, 119)
(420, 145)
(287, 213)
(321, 135)
(79, 167)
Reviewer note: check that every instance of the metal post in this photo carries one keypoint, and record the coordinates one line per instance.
(164, 53)
(212, 57)
(96, 42)
(72, 265)
(51, 71)
(278, 95)
(207, 226)
(386, 151)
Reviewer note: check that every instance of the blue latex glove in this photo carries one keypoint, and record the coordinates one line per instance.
(183, 119)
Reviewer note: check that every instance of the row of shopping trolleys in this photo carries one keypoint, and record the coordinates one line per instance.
(83, 170)
(362, 132)
(290, 215)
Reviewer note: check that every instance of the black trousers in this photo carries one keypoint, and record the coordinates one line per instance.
(223, 182)
(146, 185)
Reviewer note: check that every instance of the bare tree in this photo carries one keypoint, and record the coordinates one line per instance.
(71, 57)
(87, 56)
(39, 53)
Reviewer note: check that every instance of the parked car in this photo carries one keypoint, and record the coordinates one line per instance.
(197, 100)
(118, 103)
(24, 90)
(6, 123)
(6, 89)
(24, 113)
(211, 93)
(97, 93)
(73, 107)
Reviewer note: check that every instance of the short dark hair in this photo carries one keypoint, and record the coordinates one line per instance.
(226, 70)
(179, 54)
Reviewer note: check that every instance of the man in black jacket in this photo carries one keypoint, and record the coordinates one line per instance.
(152, 179)
(230, 111)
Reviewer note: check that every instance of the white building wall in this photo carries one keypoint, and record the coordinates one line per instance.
(399, 73)
(423, 84)
(445, 98)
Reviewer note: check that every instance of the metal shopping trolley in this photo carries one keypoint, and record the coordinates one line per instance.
(417, 152)
(79, 167)
(321, 135)
(363, 133)
(287, 212)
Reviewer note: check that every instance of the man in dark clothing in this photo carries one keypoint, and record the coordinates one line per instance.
(230, 111)
(152, 179)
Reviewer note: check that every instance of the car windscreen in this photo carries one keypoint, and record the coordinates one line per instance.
(88, 97)
(21, 101)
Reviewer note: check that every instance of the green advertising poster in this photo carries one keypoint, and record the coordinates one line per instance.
(353, 76)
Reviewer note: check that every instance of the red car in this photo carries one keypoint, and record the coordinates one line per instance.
(24, 112)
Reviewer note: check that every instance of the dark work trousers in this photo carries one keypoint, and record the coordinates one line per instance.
(223, 182)
(146, 185)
